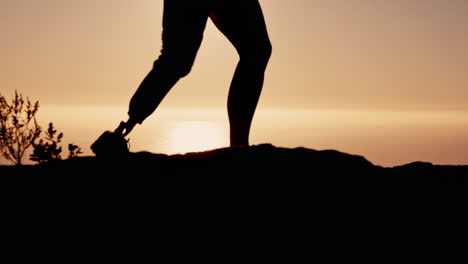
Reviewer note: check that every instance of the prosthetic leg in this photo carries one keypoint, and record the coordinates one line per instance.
(113, 144)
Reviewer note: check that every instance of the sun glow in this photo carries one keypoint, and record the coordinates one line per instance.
(192, 136)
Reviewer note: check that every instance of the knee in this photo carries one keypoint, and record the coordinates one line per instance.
(175, 65)
(257, 55)
(267, 50)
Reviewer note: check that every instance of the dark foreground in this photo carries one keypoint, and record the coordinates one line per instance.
(257, 201)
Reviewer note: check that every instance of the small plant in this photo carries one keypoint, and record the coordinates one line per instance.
(73, 151)
(48, 149)
(19, 131)
(18, 127)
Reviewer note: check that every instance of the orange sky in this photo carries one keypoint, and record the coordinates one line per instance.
(367, 55)
(327, 53)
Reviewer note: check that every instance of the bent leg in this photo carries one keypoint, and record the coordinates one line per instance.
(242, 22)
(183, 26)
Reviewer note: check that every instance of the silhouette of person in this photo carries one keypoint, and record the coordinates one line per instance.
(184, 21)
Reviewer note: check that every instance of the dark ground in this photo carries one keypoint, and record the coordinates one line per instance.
(261, 200)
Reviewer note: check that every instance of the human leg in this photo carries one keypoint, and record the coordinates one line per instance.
(242, 22)
(183, 26)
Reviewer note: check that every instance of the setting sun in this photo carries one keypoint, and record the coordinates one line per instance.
(192, 136)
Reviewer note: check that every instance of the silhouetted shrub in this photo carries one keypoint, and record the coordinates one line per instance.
(73, 151)
(19, 131)
(18, 127)
(48, 149)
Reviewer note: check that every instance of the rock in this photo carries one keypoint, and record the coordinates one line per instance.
(270, 198)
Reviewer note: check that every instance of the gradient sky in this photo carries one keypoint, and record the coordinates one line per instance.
(399, 54)
(356, 55)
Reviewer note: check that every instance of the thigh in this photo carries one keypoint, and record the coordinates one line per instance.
(242, 22)
(183, 25)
